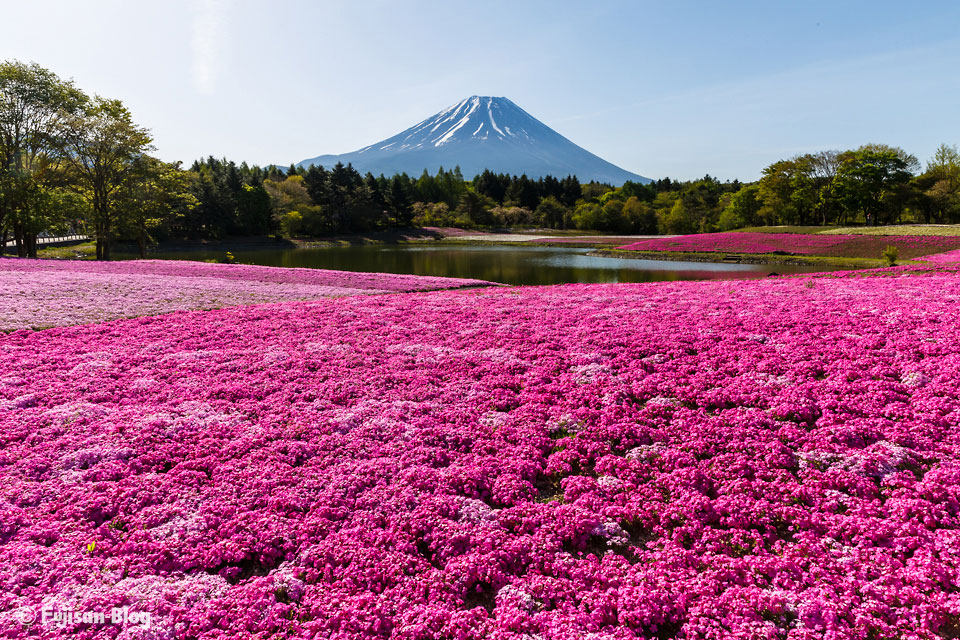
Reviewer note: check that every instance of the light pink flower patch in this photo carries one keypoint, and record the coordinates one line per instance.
(37, 294)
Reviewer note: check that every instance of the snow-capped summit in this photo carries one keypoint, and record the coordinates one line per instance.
(481, 132)
(475, 117)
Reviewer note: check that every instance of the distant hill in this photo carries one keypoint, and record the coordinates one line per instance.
(478, 133)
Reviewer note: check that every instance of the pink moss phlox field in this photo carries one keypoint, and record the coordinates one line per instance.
(943, 258)
(757, 459)
(796, 243)
(46, 293)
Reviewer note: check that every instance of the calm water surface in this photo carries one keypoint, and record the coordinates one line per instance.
(497, 263)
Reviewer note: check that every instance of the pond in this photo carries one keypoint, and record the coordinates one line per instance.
(496, 263)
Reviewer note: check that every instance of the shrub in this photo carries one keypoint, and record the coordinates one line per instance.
(890, 254)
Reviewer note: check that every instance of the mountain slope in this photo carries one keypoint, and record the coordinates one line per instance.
(480, 133)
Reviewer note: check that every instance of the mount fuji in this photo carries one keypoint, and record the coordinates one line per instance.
(481, 132)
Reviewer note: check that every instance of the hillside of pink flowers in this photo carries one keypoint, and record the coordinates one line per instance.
(37, 294)
(851, 246)
(756, 459)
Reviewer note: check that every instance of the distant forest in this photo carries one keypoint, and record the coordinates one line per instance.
(872, 185)
(70, 162)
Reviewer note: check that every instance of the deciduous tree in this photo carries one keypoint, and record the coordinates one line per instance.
(104, 147)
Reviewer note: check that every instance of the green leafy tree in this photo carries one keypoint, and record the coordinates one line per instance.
(476, 207)
(612, 216)
(288, 196)
(253, 210)
(552, 213)
(789, 191)
(639, 216)
(743, 209)
(681, 219)
(399, 200)
(104, 147)
(587, 215)
(50, 209)
(154, 195)
(35, 109)
(870, 180)
(509, 216)
(941, 185)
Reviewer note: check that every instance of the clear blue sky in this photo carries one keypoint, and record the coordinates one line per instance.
(661, 88)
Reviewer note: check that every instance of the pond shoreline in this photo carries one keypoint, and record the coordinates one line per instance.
(297, 253)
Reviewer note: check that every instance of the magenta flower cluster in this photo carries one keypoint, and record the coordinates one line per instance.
(797, 243)
(45, 293)
(703, 460)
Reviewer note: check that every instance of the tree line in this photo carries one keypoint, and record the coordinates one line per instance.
(75, 163)
(873, 185)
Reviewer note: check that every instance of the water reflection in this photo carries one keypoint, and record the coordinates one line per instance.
(497, 263)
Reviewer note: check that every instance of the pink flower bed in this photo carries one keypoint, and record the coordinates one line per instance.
(943, 258)
(742, 242)
(856, 246)
(45, 293)
(762, 459)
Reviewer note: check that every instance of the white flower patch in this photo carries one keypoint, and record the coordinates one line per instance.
(565, 423)
(611, 483)
(645, 452)
(517, 597)
(915, 380)
(286, 583)
(663, 401)
(492, 419)
(612, 532)
(472, 510)
(69, 412)
(587, 373)
(86, 458)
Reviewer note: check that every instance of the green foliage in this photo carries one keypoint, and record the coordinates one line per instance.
(587, 215)
(476, 208)
(35, 109)
(681, 219)
(513, 217)
(788, 190)
(743, 209)
(438, 214)
(890, 255)
(253, 210)
(639, 217)
(103, 152)
(291, 222)
(154, 195)
(551, 213)
(872, 180)
(939, 187)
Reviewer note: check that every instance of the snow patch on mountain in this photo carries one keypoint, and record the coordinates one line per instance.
(477, 133)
